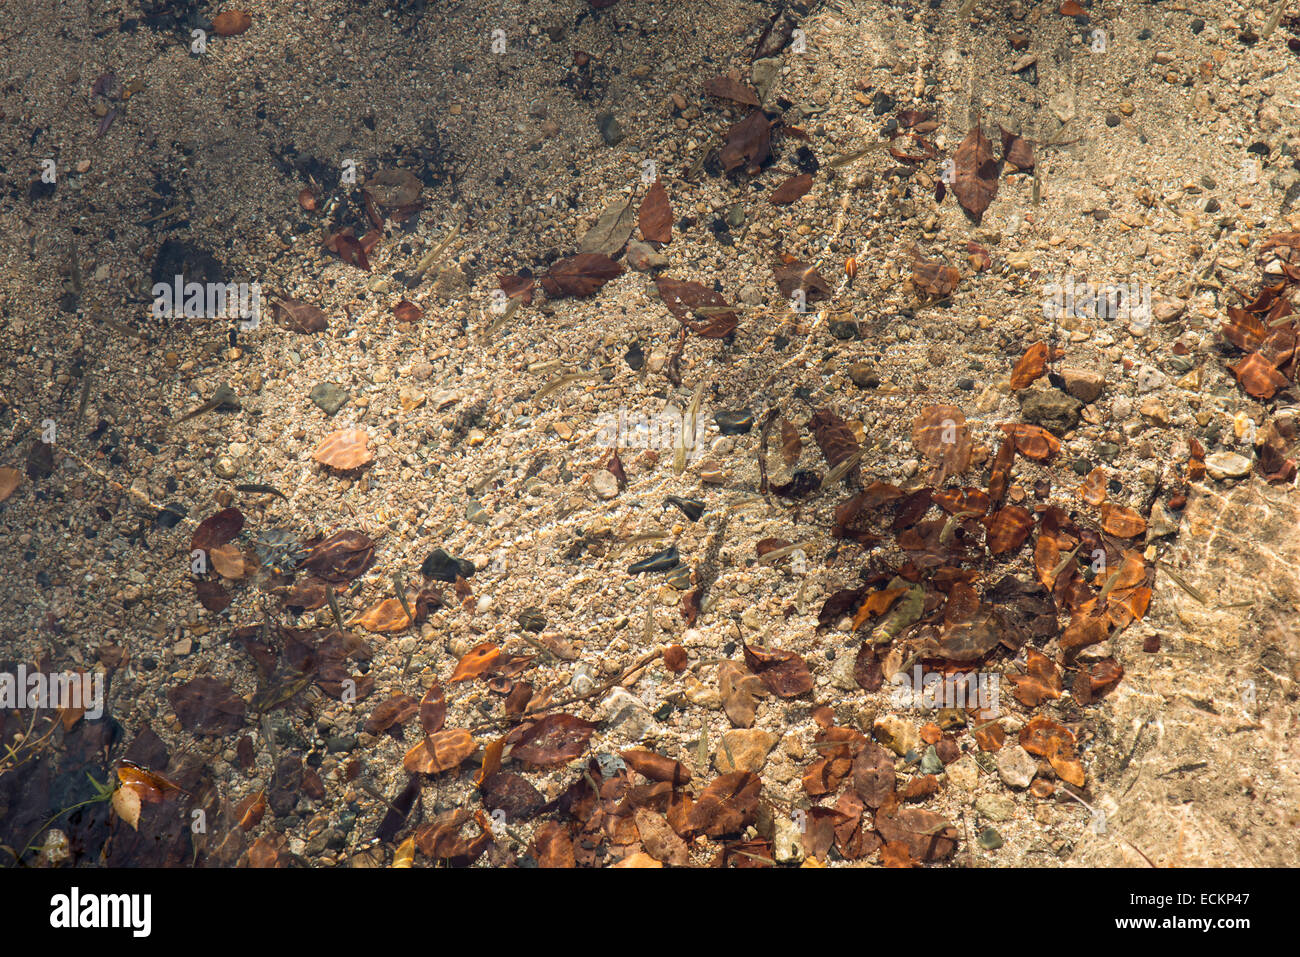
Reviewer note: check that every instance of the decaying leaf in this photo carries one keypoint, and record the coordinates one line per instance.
(683, 298)
(554, 739)
(207, 706)
(344, 450)
(580, 276)
(728, 805)
(299, 316)
(975, 174)
(727, 88)
(791, 190)
(441, 751)
(940, 434)
(1031, 367)
(748, 143)
(785, 673)
(656, 216)
(341, 557)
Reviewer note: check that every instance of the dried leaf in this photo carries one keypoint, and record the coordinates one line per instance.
(656, 216)
(1017, 152)
(785, 673)
(835, 438)
(748, 143)
(941, 435)
(477, 660)
(341, 557)
(1032, 441)
(441, 751)
(794, 276)
(726, 88)
(657, 767)
(791, 190)
(344, 450)
(727, 806)
(975, 180)
(207, 706)
(231, 23)
(433, 709)
(1121, 521)
(1031, 367)
(581, 275)
(217, 529)
(554, 739)
(683, 298)
(299, 316)
(407, 311)
(10, 479)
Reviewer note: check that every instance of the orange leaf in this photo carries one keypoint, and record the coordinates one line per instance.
(344, 450)
(1121, 521)
(1031, 366)
(477, 660)
(440, 752)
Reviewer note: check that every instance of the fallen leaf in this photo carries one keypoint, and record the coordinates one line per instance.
(799, 276)
(581, 275)
(231, 23)
(748, 143)
(476, 661)
(657, 767)
(344, 450)
(726, 88)
(299, 316)
(975, 180)
(683, 297)
(10, 479)
(396, 710)
(791, 190)
(554, 739)
(1032, 366)
(1121, 521)
(341, 557)
(1032, 441)
(727, 806)
(934, 278)
(940, 434)
(1017, 151)
(656, 216)
(433, 709)
(407, 311)
(611, 232)
(207, 706)
(217, 529)
(441, 751)
(785, 673)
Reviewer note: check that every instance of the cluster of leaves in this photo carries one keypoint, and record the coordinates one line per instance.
(1265, 329)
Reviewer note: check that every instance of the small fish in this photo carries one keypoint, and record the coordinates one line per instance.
(224, 395)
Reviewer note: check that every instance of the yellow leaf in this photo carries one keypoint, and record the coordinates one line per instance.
(405, 855)
(126, 803)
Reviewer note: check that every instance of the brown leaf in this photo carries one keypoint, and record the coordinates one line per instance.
(299, 316)
(785, 673)
(231, 23)
(927, 836)
(1121, 521)
(934, 277)
(791, 444)
(1258, 377)
(398, 709)
(476, 661)
(517, 287)
(352, 252)
(552, 846)
(791, 190)
(341, 557)
(384, 617)
(682, 298)
(212, 596)
(726, 806)
(10, 479)
(393, 188)
(1031, 367)
(835, 438)
(581, 275)
(795, 276)
(344, 450)
(975, 179)
(657, 767)
(940, 434)
(1093, 489)
(1040, 682)
(441, 751)
(748, 144)
(407, 311)
(554, 739)
(217, 529)
(433, 709)
(249, 811)
(726, 88)
(1032, 441)
(207, 706)
(656, 216)
(739, 690)
(1017, 152)
(228, 562)
(1008, 529)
